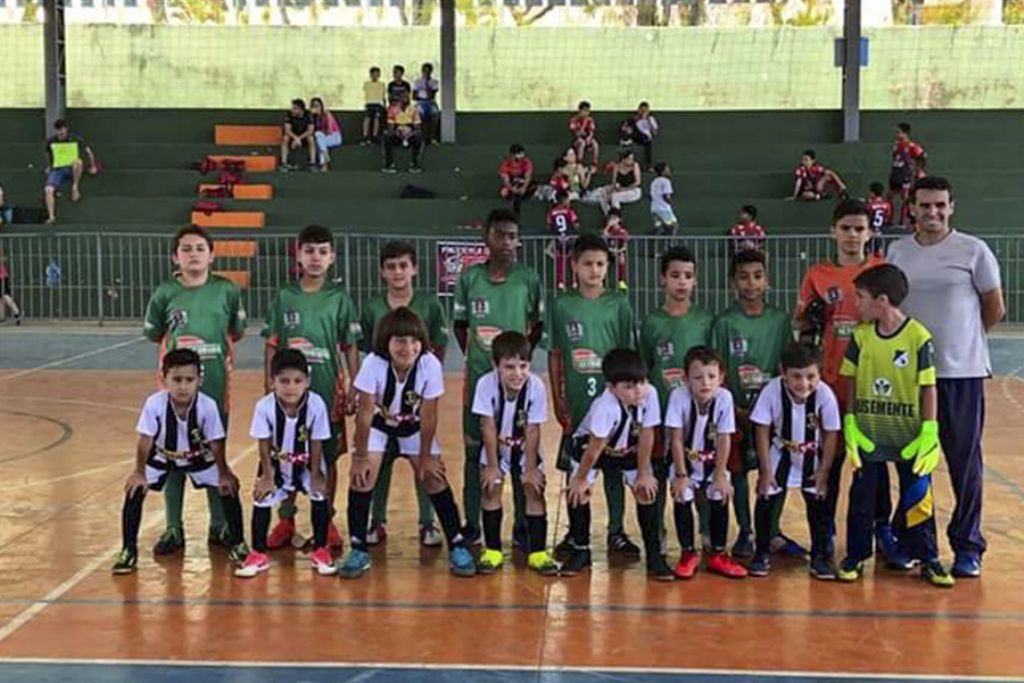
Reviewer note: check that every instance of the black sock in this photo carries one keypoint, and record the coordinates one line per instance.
(320, 512)
(131, 519)
(358, 517)
(260, 527)
(818, 521)
(448, 516)
(647, 515)
(492, 529)
(763, 524)
(579, 525)
(233, 515)
(718, 521)
(537, 529)
(683, 513)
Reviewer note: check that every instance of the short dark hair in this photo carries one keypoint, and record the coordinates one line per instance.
(877, 188)
(192, 230)
(850, 207)
(400, 322)
(749, 209)
(179, 358)
(932, 182)
(397, 249)
(885, 279)
(583, 104)
(398, 67)
(643, 104)
(299, 102)
(904, 126)
(589, 242)
(316, 234)
(374, 68)
(516, 148)
(799, 356)
(511, 344)
(660, 167)
(560, 163)
(625, 153)
(744, 257)
(701, 354)
(623, 365)
(676, 252)
(427, 65)
(60, 124)
(289, 359)
(501, 216)
(810, 153)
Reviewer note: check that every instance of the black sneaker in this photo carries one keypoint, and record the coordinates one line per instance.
(171, 542)
(578, 562)
(822, 569)
(564, 549)
(621, 544)
(126, 563)
(761, 565)
(658, 569)
(743, 548)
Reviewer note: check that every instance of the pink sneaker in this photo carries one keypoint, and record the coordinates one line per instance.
(255, 562)
(322, 562)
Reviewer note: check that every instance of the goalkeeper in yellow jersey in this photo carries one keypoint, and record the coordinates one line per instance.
(891, 417)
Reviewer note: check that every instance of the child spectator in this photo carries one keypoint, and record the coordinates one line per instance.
(64, 151)
(563, 222)
(6, 212)
(880, 210)
(664, 217)
(901, 172)
(579, 174)
(327, 132)
(298, 132)
(516, 171)
(7, 302)
(747, 233)
(625, 186)
(640, 129)
(373, 97)
(584, 134)
(617, 235)
(814, 181)
(404, 130)
(399, 89)
(424, 91)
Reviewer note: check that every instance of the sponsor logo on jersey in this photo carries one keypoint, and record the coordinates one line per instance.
(673, 378)
(177, 318)
(480, 307)
(739, 346)
(843, 327)
(901, 358)
(574, 330)
(751, 377)
(882, 387)
(313, 354)
(205, 350)
(292, 319)
(586, 361)
(485, 334)
(886, 408)
(834, 294)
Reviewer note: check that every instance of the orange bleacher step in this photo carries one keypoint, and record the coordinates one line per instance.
(229, 219)
(230, 134)
(239, 277)
(253, 164)
(256, 191)
(234, 248)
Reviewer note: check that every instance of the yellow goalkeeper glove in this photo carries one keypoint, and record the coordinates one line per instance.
(855, 441)
(924, 449)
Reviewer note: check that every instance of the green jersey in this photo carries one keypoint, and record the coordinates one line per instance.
(203, 319)
(320, 324)
(751, 347)
(583, 330)
(888, 373)
(425, 306)
(664, 341)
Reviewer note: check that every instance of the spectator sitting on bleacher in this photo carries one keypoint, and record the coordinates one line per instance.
(640, 129)
(584, 134)
(404, 130)
(516, 173)
(579, 174)
(399, 89)
(813, 181)
(625, 185)
(6, 212)
(558, 182)
(64, 151)
(424, 91)
(748, 234)
(298, 132)
(376, 112)
(327, 132)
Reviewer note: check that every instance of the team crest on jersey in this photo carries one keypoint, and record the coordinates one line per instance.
(412, 399)
(739, 346)
(574, 330)
(901, 358)
(292, 319)
(177, 319)
(302, 434)
(834, 295)
(882, 387)
(812, 423)
(480, 307)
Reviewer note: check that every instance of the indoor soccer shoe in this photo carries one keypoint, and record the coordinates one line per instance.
(658, 569)
(934, 573)
(821, 568)
(578, 562)
(377, 534)
(172, 541)
(322, 562)
(490, 561)
(471, 535)
(784, 545)
(564, 548)
(720, 563)
(255, 563)
(623, 545)
(430, 536)
(542, 563)
(967, 566)
(687, 566)
(335, 541)
(761, 565)
(126, 563)
(461, 562)
(743, 548)
(238, 553)
(889, 548)
(355, 565)
(850, 571)
(281, 535)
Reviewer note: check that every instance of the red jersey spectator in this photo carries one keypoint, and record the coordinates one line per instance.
(748, 234)
(516, 172)
(813, 181)
(584, 133)
(901, 174)
(616, 235)
(880, 208)
(563, 222)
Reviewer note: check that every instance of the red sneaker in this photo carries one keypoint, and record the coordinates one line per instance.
(720, 563)
(688, 563)
(255, 562)
(281, 535)
(334, 538)
(322, 562)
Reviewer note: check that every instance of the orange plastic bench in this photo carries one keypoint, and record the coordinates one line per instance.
(229, 219)
(239, 277)
(229, 134)
(234, 248)
(255, 191)
(253, 164)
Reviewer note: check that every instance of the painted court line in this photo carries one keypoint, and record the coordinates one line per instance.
(71, 359)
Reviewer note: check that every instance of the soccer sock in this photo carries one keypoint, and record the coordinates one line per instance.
(763, 524)
(217, 520)
(718, 520)
(660, 498)
(471, 487)
(131, 519)
(174, 499)
(537, 526)
(579, 525)
(741, 501)
(777, 512)
(615, 496)
(260, 527)
(818, 521)
(422, 501)
(647, 515)
(448, 515)
(382, 489)
(320, 513)
(358, 517)
(233, 513)
(492, 529)
(519, 527)
(287, 509)
(683, 513)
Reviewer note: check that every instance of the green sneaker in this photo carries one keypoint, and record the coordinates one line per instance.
(238, 553)
(850, 572)
(126, 563)
(490, 561)
(542, 563)
(934, 573)
(172, 541)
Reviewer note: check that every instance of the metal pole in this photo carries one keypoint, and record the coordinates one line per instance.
(54, 69)
(851, 71)
(448, 71)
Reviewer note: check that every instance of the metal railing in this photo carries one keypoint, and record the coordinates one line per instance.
(110, 276)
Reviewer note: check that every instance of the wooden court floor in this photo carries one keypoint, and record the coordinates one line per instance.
(66, 441)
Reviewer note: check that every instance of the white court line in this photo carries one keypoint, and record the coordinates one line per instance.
(70, 359)
(30, 612)
(66, 477)
(739, 673)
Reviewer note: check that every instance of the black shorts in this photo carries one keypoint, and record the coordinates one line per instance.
(375, 112)
(900, 181)
(5, 287)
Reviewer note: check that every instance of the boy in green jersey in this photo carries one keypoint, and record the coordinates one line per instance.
(317, 317)
(201, 311)
(749, 336)
(891, 411)
(582, 326)
(398, 269)
(491, 297)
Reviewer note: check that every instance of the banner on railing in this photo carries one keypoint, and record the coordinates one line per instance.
(452, 259)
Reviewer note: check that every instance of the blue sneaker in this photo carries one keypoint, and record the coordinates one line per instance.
(967, 566)
(462, 563)
(784, 545)
(888, 547)
(355, 565)
(761, 565)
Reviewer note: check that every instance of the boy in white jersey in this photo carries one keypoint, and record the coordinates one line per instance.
(179, 430)
(399, 386)
(616, 437)
(701, 421)
(796, 430)
(291, 424)
(512, 403)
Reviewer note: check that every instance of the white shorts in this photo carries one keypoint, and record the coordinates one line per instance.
(628, 476)
(206, 477)
(505, 461)
(795, 480)
(289, 485)
(409, 446)
(664, 217)
(698, 484)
